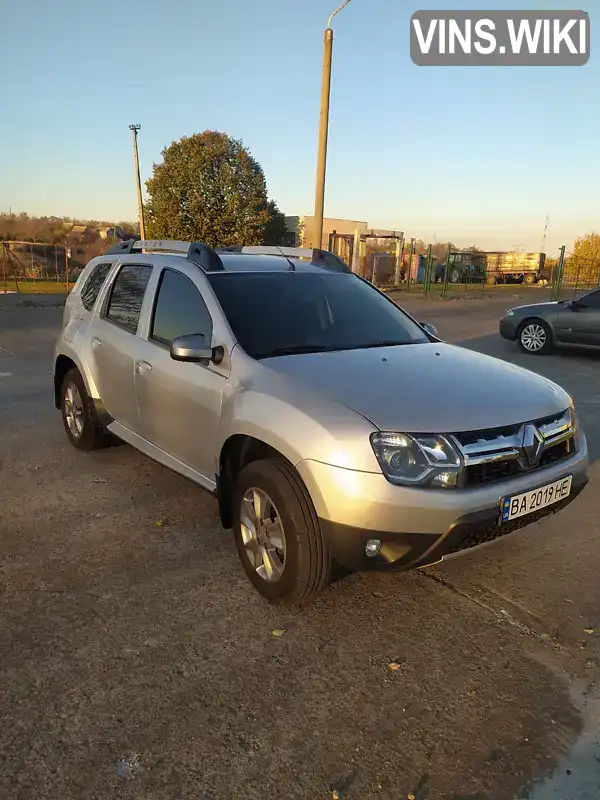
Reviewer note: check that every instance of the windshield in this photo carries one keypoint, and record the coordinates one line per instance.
(282, 313)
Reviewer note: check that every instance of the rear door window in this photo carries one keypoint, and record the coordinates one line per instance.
(91, 288)
(127, 296)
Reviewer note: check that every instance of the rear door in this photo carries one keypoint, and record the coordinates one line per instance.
(180, 403)
(114, 342)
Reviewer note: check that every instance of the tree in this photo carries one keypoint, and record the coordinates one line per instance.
(583, 266)
(276, 231)
(440, 250)
(208, 188)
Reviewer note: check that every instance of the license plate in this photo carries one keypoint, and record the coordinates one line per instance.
(520, 504)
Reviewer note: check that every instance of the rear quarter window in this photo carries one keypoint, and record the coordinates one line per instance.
(91, 288)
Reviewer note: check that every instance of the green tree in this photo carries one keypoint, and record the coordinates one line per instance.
(275, 229)
(208, 188)
(583, 266)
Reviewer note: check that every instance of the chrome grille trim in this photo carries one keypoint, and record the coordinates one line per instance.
(490, 448)
(558, 430)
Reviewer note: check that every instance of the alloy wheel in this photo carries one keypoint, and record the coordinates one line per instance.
(74, 410)
(533, 337)
(262, 534)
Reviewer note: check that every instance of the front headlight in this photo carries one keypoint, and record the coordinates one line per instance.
(510, 313)
(417, 459)
(577, 432)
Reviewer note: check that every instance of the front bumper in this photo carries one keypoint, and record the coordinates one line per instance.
(404, 550)
(419, 526)
(508, 327)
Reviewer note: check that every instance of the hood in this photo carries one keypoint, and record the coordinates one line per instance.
(424, 388)
(549, 309)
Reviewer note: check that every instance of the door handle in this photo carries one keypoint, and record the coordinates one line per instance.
(96, 342)
(142, 366)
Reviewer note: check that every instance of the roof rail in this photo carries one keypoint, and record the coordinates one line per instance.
(199, 254)
(319, 258)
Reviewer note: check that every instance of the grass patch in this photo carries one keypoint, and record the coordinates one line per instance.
(37, 287)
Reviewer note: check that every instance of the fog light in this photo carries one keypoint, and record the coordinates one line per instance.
(447, 479)
(372, 547)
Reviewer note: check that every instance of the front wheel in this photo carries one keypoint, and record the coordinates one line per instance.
(535, 337)
(277, 533)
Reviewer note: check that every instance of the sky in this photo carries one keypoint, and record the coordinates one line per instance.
(478, 155)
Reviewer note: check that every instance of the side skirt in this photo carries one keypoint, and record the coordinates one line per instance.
(159, 455)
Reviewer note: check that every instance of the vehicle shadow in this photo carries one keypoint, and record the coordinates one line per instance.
(575, 369)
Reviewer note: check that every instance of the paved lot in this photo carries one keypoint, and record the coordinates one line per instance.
(137, 662)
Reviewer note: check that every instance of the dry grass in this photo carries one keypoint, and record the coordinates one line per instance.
(36, 287)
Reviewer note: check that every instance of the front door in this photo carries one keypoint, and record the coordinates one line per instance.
(179, 403)
(114, 341)
(581, 323)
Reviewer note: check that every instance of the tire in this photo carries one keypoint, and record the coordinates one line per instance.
(295, 550)
(78, 414)
(535, 337)
(454, 276)
(529, 279)
(491, 280)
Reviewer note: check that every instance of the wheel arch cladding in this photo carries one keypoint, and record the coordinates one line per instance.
(62, 365)
(237, 451)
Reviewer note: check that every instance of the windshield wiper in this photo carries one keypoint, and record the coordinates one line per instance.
(385, 343)
(294, 350)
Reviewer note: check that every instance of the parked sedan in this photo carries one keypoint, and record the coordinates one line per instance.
(538, 328)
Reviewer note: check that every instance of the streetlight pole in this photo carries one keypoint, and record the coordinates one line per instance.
(136, 162)
(323, 132)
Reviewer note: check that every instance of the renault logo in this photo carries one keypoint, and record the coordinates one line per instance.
(532, 447)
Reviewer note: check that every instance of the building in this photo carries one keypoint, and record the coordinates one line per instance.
(301, 229)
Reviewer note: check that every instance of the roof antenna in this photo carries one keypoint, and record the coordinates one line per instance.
(292, 267)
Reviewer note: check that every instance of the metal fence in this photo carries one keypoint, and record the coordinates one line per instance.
(575, 275)
(423, 273)
(23, 264)
(478, 273)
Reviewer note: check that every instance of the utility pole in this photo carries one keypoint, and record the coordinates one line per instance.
(136, 163)
(67, 254)
(558, 276)
(324, 132)
(543, 250)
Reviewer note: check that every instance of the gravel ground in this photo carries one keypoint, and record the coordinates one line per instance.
(138, 662)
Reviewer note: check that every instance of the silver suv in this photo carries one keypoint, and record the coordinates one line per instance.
(336, 432)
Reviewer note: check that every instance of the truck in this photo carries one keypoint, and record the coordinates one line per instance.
(505, 267)
(493, 266)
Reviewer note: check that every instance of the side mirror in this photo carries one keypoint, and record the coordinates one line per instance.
(575, 305)
(192, 348)
(430, 329)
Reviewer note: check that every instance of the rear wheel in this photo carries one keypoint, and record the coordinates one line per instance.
(78, 414)
(529, 279)
(491, 280)
(535, 337)
(277, 533)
